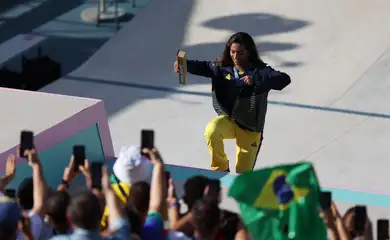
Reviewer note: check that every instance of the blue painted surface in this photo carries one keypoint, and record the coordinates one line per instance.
(55, 159)
(343, 195)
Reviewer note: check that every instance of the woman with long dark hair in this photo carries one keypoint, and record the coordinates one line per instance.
(240, 85)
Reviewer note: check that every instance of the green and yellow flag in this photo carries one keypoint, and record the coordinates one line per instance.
(280, 203)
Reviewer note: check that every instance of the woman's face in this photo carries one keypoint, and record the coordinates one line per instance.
(238, 54)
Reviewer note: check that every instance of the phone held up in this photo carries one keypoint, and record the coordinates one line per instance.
(26, 142)
(382, 229)
(325, 200)
(214, 190)
(147, 139)
(96, 174)
(167, 177)
(79, 156)
(360, 218)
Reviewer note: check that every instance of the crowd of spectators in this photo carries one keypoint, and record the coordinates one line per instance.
(129, 205)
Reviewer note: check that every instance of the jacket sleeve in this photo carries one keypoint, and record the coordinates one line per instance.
(202, 68)
(272, 79)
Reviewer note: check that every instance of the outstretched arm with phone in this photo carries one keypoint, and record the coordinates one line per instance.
(157, 188)
(173, 204)
(154, 223)
(334, 222)
(70, 173)
(40, 185)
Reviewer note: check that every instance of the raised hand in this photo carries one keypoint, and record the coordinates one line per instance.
(32, 157)
(10, 167)
(176, 68)
(153, 154)
(87, 173)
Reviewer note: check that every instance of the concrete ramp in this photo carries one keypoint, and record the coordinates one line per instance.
(58, 122)
(335, 112)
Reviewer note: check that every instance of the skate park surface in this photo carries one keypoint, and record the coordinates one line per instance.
(334, 114)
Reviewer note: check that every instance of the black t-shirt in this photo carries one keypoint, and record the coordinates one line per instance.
(229, 224)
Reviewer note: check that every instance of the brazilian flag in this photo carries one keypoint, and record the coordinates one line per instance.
(280, 203)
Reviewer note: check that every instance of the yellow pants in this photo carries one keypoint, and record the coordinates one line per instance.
(247, 144)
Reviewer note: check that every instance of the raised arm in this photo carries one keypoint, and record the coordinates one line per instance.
(272, 79)
(200, 68)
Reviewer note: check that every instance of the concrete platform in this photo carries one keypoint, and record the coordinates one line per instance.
(58, 122)
(333, 114)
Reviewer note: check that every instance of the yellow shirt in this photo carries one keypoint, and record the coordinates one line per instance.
(126, 188)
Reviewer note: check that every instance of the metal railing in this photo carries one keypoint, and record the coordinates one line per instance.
(104, 5)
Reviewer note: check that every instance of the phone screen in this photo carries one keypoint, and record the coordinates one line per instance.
(96, 172)
(360, 218)
(383, 229)
(325, 200)
(147, 139)
(11, 193)
(26, 141)
(167, 177)
(214, 189)
(79, 156)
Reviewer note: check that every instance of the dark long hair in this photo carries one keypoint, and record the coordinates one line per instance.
(247, 42)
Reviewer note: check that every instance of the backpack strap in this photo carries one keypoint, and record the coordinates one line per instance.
(114, 180)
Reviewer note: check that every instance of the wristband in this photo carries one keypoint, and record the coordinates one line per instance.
(174, 204)
(63, 181)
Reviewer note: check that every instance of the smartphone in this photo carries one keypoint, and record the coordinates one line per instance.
(214, 189)
(79, 156)
(96, 174)
(11, 193)
(360, 218)
(382, 227)
(26, 142)
(325, 200)
(167, 177)
(147, 139)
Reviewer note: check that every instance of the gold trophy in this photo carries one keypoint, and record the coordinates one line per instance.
(181, 58)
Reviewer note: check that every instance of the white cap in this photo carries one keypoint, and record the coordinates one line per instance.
(131, 167)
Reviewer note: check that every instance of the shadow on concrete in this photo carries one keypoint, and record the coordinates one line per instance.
(260, 25)
(69, 46)
(6, 5)
(208, 94)
(116, 64)
(72, 51)
(37, 16)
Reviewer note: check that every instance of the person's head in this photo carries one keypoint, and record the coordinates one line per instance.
(9, 217)
(194, 189)
(85, 211)
(56, 209)
(349, 220)
(241, 50)
(25, 194)
(140, 196)
(206, 218)
(134, 218)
